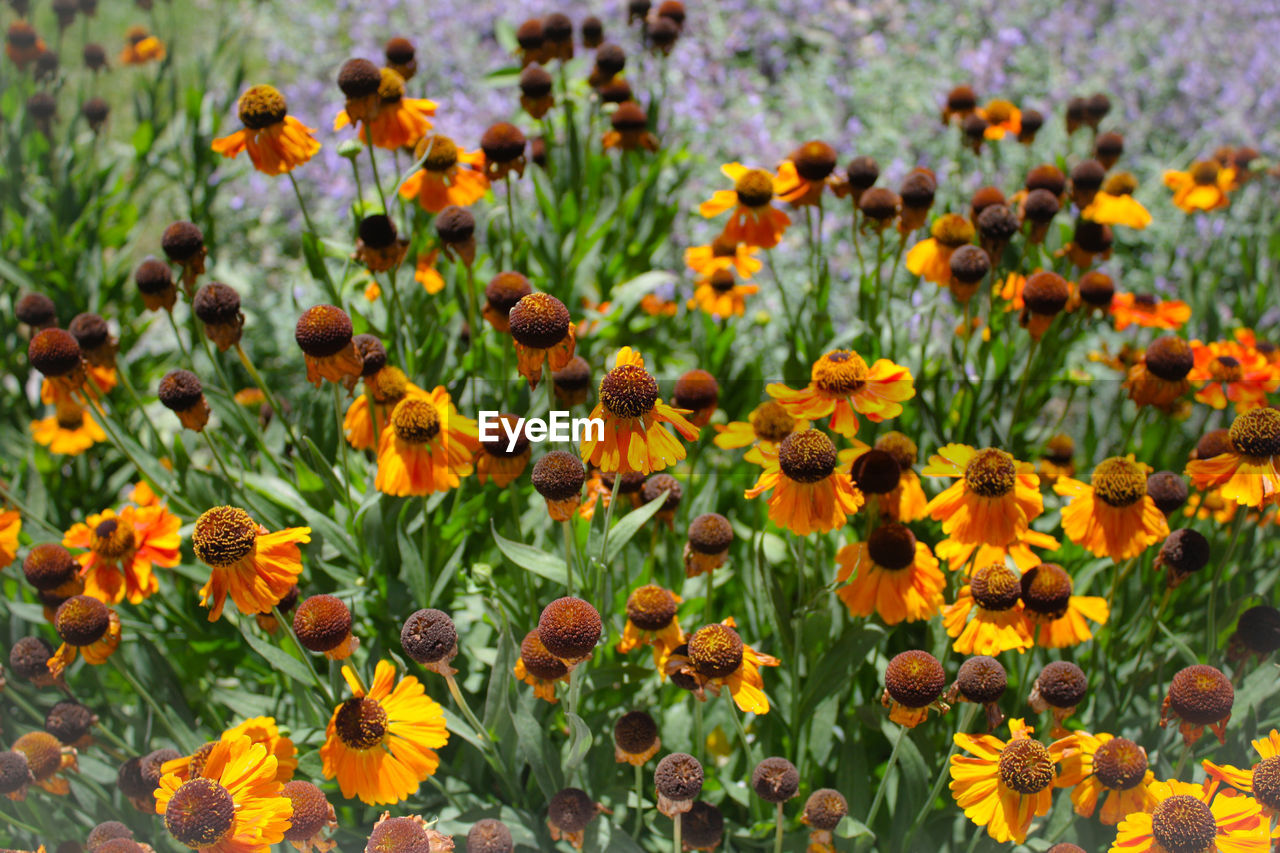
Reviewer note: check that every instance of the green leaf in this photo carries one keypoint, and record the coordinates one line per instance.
(579, 742)
(631, 523)
(278, 658)
(532, 559)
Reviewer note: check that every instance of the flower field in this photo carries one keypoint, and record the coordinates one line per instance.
(924, 478)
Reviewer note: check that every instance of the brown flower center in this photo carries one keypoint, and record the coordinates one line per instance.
(1205, 173)
(1266, 782)
(807, 456)
(755, 188)
(113, 538)
(1257, 433)
(388, 386)
(441, 153)
(224, 535)
(261, 107)
(770, 422)
(628, 391)
(892, 546)
(200, 814)
(1184, 824)
(1226, 368)
(991, 473)
(1046, 590)
(361, 723)
(1025, 766)
(415, 420)
(1119, 482)
(716, 651)
(651, 608)
(1120, 764)
(995, 587)
(840, 373)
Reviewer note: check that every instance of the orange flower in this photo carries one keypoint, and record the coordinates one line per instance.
(803, 176)
(892, 575)
(651, 621)
(448, 176)
(426, 274)
(541, 332)
(721, 296)
(1002, 118)
(381, 744)
(494, 461)
(1148, 311)
(655, 306)
(809, 492)
(1106, 768)
(1259, 781)
(141, 47)
(906, 501)
(367, 415)
(1113, 516)
(10, 528)
(989, 509)
(766, 426)
(841, 384)
(1203, 187)
(1190, 817)
(86, 627)
(717, 658)
(398, 122)
(1003, 785)
(71, 430)
(754, 221)
(276, 141)
(1228, 370)
(636, 438)
(426, 446)
(722, 254)
(1248, 473)
(988, 616)
(931, 258)
(1058, 618)
(256, 567)
(122, 550)
(46, 761)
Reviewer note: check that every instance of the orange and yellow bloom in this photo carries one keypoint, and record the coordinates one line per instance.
(1230, 371)
(448, 175)
(256, 567)
(893, 575)
(381, 744)
(1107, 770)
(1191, 817)
(809, 492)
(123, 549)
(1203, 187)
(426, 446)
(1003, 785)
(841, 384)
(398, 121)
(1112, 516)
(754, 220)
(1249, 472)
(276, 141)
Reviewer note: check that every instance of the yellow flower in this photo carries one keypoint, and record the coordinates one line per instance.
(892, 575)
(1003, 785)
(256, 567)
(1113, 516)
(276, 141)
(69, 431)
(841, 384)
(1107, 769)
(380, 744)
(1189, 817)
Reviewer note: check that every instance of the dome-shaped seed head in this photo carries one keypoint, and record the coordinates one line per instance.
(1168, 489)
(502, 143)
(982, 679)
(716, 651)
(918, 188)
(969, 264)
(538, 661)
(807, 456)
(535, 82)
(310, 810)
(656, 484)
(89, 330)
(997, 222)
(81, 620)
(1088, 175)
(539, 321)
(702, 826)
(876, 472)
(323, 330)
(54, 352)
(489, 836)
(180, 390)
(1258, 628)
(679, 777)
(696, 390)
(825, 808)
(69, 721)
(224, 535)
(322, 623)
(1201, 695)
(216, 304)
(559, 475)
(570, 628)
(1062, 684)
(35, 309)
(775, 780)
(372, 352)
(710, 533)
(455, 225)
(399, 50)
(49, 566)
(428, 636)
(862, 172)
(399, 835)
(1046, 590)
(1047, 177)
(635, 732)
(879, 203)
(610, 58)
(14, 772)
(359, 78)
(153, 276)
(571, 810)
(182, 241)
(1170, 358)
(914, 679)
(377, 231)
(1185, 550)
(29, 657)
(505, 290)
(651, 608)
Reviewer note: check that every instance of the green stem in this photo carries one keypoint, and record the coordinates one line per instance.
(27, 515)
(777, 836)
(481, 732)
(676, 846)
(346, 462)
(150, 701)
(173, 324)
(266, 392)
(966, 719)
(639, 801)
(884, 781)
(1212, 626)
(568, 557)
